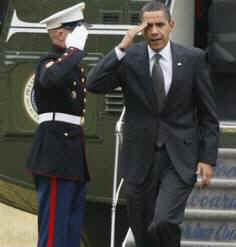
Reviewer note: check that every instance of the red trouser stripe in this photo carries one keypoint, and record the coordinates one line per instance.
(52, 211)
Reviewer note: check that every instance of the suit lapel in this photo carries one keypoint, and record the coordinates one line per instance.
(148, 85)
(177, 68)
(140, 61)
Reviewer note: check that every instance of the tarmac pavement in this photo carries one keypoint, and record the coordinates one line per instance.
(17, 228)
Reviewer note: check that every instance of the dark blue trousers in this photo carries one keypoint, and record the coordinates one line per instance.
(60, 212)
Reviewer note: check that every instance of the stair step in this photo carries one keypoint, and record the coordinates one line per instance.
(209, 230)
(221, 197)
(226, 165)
(208, 214)
(206, 244)
(129, 242)
(220, 183)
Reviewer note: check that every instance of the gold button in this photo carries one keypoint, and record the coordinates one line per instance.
(84, 110)
(83, 80)
(85, 100)
(74, 83)
(85, 90)
(82, 70)
(65, 134)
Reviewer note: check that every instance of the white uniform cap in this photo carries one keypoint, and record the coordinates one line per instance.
(71, 14)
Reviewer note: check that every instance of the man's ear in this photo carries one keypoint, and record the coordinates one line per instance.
(172, 24)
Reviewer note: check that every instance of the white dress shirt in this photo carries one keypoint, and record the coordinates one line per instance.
(165, 62)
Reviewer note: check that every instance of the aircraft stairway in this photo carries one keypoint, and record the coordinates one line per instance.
(210, 216)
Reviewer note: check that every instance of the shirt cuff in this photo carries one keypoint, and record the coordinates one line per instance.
(119, 53)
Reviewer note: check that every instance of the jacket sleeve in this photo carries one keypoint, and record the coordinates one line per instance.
(53, 72)
(206, 112)
(106, 75)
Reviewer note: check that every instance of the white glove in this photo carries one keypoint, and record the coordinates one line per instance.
(77, 38)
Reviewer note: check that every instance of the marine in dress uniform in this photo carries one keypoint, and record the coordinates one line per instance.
(57, 159)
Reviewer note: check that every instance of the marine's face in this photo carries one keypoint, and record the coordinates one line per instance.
(58, 36)
(157, 32)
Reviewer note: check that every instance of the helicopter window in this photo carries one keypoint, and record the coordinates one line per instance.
(3, 10)
(111, 17)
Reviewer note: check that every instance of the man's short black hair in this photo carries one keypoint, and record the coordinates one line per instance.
(155, 6)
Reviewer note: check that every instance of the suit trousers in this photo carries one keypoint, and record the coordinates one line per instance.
(156, 207)
(60, 211)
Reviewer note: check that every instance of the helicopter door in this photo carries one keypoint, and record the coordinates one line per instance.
(222, 35)
(222, 56)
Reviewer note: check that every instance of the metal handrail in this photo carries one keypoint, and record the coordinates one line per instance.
(116, 191)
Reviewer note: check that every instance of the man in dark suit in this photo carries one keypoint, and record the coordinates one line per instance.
(170, 129)
(57, 159)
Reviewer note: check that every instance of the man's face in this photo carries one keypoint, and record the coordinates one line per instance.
(158, 29)
(58, 36)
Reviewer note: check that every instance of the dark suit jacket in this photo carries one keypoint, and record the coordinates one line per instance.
(188, 118)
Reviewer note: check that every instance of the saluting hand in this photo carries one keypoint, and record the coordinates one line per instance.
(77, 38)
(205, 171)
(129, 37)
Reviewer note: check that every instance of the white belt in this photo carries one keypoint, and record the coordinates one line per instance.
(61, 117)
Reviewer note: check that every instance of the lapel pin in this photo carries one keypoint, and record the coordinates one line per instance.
(179, 64)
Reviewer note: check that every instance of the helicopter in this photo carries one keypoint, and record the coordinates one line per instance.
(207, 24)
